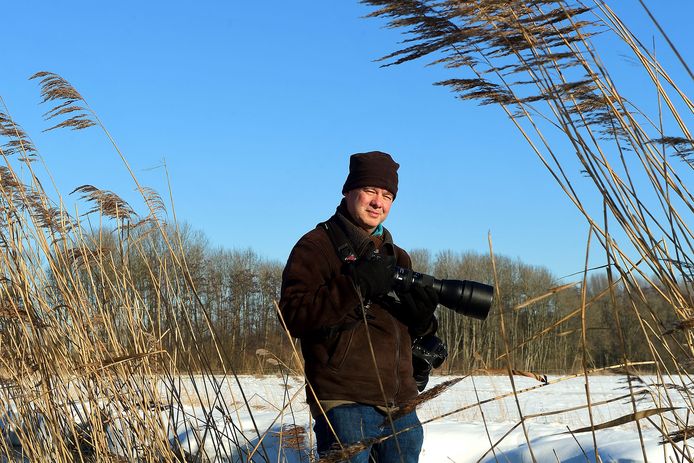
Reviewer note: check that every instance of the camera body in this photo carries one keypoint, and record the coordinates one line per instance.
(463, 296)
(428, 352)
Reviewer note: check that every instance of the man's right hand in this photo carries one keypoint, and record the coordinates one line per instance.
(374, 276)
(417, 309)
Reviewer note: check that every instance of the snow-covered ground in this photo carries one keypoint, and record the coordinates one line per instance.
(462, 437)
(459, 429)
(475, 420)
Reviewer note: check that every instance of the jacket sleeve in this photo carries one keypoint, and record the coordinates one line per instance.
(314, 295)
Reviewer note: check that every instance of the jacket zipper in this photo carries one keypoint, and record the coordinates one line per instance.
(397, 359)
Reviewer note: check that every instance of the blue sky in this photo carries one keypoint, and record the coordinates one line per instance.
(255, 108)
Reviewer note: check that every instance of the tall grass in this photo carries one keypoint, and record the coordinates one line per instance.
(94, 368)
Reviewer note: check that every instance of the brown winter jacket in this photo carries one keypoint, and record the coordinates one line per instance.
(320, 306)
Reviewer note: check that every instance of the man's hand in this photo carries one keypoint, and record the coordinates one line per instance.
(374, 276)
(418, 305)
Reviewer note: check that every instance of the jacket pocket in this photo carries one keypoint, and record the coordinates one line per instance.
(341, 348)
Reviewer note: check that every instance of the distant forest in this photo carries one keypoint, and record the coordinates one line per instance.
(537, 318)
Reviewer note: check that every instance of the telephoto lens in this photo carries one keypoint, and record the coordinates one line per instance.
(466, 297)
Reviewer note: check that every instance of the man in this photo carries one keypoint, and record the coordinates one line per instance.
(356, 329)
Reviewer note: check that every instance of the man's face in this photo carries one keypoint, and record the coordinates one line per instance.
(369, 206)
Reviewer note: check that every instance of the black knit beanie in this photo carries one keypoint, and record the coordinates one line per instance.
(374, 168)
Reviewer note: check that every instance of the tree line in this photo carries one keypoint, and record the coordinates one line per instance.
(192, 294)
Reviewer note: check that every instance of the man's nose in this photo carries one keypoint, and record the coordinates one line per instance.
(377, 202)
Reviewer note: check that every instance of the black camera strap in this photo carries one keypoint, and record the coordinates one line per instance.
(343, 247)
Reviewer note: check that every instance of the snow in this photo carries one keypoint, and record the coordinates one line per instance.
(477, 419)
(455, 431)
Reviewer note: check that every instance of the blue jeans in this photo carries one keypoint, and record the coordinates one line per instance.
(355, 422)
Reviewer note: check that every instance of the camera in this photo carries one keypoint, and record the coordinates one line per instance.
(428, 352)
(463, 296)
